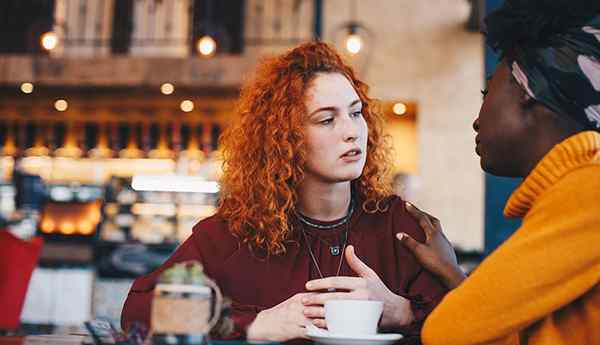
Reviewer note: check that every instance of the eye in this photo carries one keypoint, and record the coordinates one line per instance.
(356, 113)
(484, 92)
(326, 121)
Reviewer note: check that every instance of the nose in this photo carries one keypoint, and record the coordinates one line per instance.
(350, 130)
(476, 124)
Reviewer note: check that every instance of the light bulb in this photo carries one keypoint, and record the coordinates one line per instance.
(167, 88)
(27, 87)
(399, 109)
(206, 45)
(187, 106)
(354, 44)
(61, 105)
(49, 40)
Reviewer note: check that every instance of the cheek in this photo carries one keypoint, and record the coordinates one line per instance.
(364, 131)
(317, 146)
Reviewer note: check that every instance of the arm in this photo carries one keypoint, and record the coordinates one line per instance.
(200, 246)
(549, 262)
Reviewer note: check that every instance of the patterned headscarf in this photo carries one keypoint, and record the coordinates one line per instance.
(564, 75)
(553, 50)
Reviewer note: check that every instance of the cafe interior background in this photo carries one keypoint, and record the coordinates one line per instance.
(110, 112)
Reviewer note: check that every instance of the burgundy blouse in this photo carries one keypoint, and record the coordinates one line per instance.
(255, 282)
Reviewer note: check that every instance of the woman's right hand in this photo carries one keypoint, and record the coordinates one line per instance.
(283, 322)
(436, 254)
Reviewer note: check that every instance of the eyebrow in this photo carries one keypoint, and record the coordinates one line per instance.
(356, 101)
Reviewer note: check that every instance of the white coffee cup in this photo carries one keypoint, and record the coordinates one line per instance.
(353, 317)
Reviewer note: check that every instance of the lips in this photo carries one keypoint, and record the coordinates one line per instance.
(352, 156)
(351, 153)
(477, 141)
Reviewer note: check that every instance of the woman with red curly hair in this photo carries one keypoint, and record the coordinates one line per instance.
(305, 193)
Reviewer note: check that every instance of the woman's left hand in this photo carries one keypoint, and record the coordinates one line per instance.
(367, 286)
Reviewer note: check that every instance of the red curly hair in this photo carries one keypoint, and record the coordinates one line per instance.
(264, 151)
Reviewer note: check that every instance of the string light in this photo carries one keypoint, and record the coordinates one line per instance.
(399, 108)
(206, 45)
(187, 106)
(27, 87)
(49, 40)
(61, 105)
(167, 88)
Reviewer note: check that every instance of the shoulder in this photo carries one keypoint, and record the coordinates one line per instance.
(397, 219)
(210, 226)
(212, 235)
(584, 179)
(579, 185)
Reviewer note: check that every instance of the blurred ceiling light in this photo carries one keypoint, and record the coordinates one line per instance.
(67, 228)
(399, 108)
(206, 45)
(27, 87)
(85, 227)
(167, 88)
(47, 226)
(187, 106)
(61, 105)
(49, 40)
(173, 183)
(354, 43)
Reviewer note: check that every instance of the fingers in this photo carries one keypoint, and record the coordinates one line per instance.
(343, 283)
(357, 265)
(314, 312)
(408, 241)
(319, 323)
(424, 220)
(320, 299)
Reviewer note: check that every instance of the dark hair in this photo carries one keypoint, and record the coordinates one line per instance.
(534, 23)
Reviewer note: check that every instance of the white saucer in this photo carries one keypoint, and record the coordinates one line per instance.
(340, 339)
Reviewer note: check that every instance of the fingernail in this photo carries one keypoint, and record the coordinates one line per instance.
(400, 236)
(309, 285)
(408, 204)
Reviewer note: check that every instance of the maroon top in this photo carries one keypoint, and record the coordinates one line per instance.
(255, 282)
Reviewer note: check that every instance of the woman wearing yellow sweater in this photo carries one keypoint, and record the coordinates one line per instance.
(540, 120)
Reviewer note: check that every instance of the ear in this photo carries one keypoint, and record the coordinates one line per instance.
(527, 102)
(533, 113)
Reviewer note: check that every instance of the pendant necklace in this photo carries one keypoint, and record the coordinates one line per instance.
(334, 249)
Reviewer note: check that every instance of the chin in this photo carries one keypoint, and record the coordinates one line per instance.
(347, 177)
(500, 170)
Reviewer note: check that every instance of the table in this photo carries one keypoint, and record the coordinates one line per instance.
(52, 339)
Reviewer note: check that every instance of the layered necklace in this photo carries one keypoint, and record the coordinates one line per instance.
(334, 249)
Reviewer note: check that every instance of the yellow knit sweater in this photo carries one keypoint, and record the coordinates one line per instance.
(541, 285)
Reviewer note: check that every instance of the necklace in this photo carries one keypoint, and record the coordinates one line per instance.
(342, 221)
(334, 249)
(314, 259)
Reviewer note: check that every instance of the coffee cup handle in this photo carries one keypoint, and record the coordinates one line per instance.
(218, 303)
